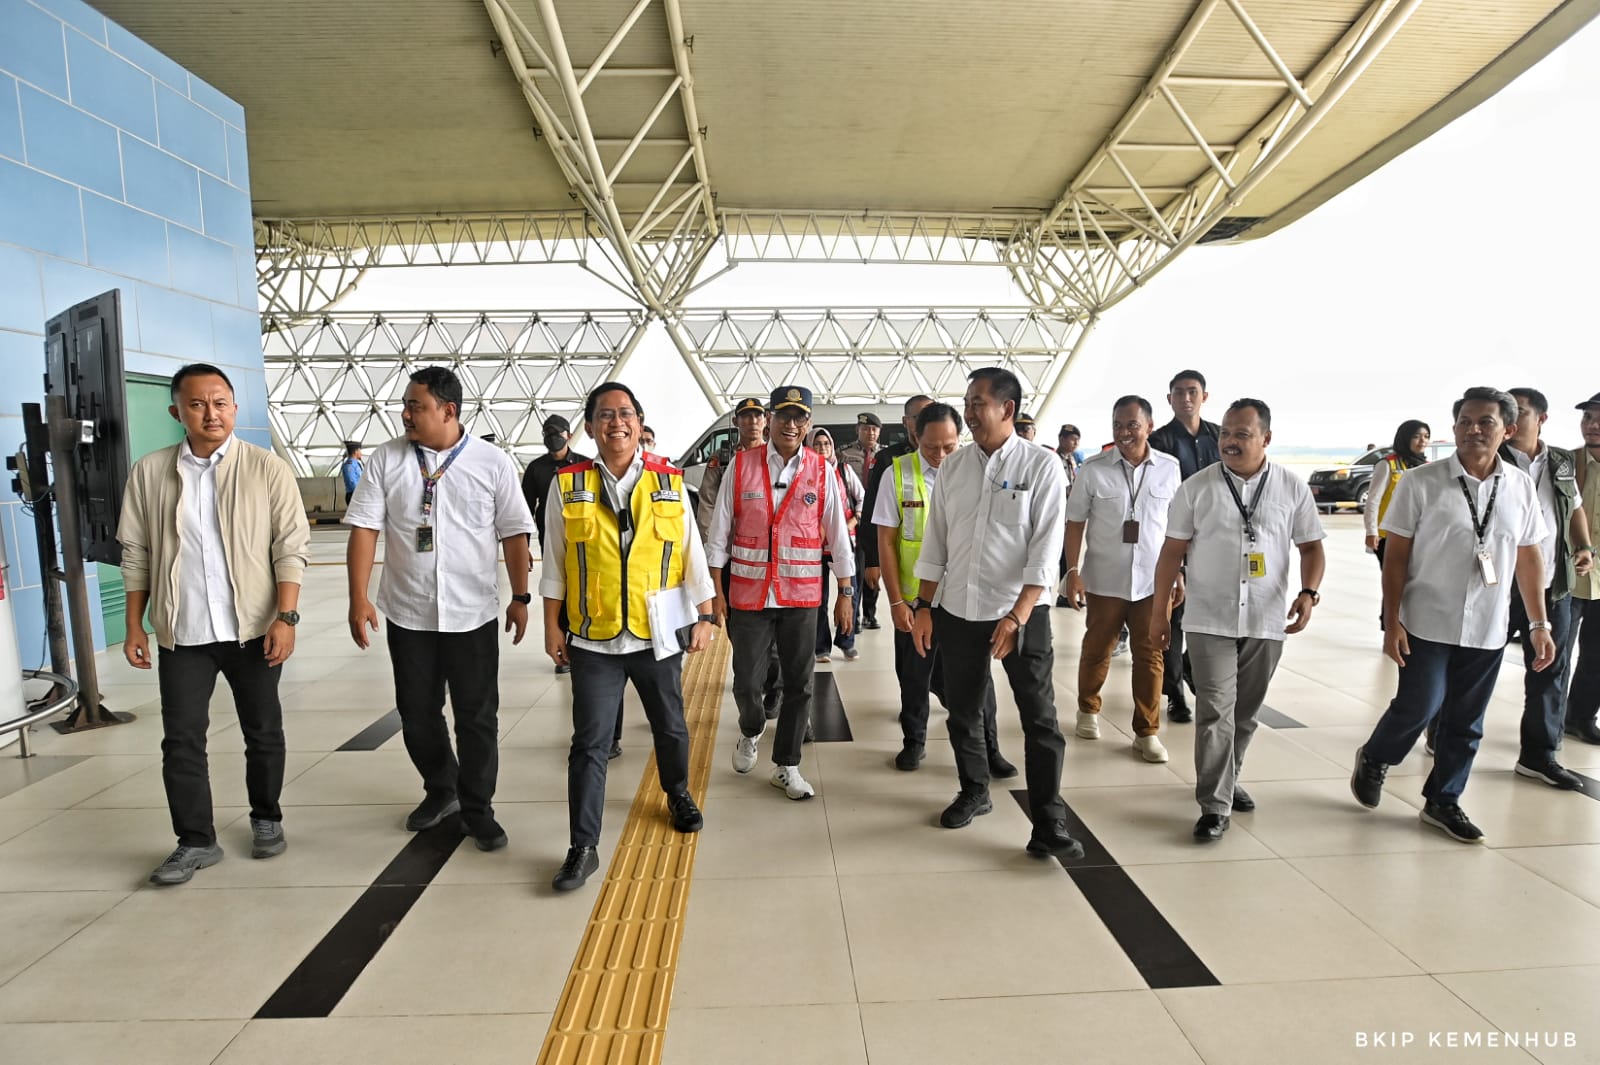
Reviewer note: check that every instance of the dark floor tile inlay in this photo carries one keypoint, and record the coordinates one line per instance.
(376, 734)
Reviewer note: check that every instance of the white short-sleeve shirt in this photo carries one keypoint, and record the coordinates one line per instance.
(1222, 598)
(1101, 498)
(476, 504)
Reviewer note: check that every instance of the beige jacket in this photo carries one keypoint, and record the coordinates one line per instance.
(264, 534)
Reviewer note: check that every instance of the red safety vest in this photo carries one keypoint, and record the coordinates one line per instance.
(783, 550)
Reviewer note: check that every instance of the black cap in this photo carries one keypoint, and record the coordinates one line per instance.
(790, 396)
(869, 418)
(1592, 403)
(749, 403)
(1022, 419)
(556, 424)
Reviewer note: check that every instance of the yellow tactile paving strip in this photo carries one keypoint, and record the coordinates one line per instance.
(613, 1010)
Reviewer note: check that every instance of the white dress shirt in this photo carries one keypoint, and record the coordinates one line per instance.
(1221, 598)
(619, 493)
(781, 474)
(1544, 485)
(995, 524)
(1100, 499)
(1445, 599)
(476, 504)
(206, 611)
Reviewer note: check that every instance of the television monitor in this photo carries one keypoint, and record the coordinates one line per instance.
(83, 365)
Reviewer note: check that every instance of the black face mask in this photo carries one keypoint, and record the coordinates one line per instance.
(555, 441)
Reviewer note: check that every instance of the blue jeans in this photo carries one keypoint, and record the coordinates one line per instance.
(825, 637)
(1453, 682)
(1544, 694)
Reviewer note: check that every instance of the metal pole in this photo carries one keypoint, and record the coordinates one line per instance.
(63, 442)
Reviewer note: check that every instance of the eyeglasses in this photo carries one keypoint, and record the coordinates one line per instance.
(790, 414)
(623, 414)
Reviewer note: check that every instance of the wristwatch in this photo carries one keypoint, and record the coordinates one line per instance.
(1534, 626)
(290, 618)
(846, 591)
(1316, 597)
(917, 604)
(525, 598)
(710, 619)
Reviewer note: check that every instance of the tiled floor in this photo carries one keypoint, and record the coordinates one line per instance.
(843, 931)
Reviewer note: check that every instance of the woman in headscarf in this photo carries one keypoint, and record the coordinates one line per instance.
(821, 441)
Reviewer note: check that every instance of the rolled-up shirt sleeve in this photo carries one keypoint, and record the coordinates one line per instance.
(722, 517)
(696, 573)
(553, 566)
(933, 556)
(835, 533)
(1049, 527)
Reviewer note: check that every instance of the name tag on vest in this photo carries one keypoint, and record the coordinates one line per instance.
(752, 495)
(912, 503)
(666, 495)
(579, 496)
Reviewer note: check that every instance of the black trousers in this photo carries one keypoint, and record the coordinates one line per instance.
(1544, 694)
(1172, 666)
(566, 627)
(1583, 649)
(919, 677)
(754, 634)
(597, 686)
(188, 676)
(771, 689)
(467, 664)
(964, 658)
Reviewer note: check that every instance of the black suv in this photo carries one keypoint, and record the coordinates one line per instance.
(1332, 485)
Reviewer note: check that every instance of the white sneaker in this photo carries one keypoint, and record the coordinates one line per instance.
(793, 784)
(1149, 748)
(744, 753)
(1088, 726)
(1121, 648)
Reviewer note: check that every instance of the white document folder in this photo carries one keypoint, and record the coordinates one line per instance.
(670, 610)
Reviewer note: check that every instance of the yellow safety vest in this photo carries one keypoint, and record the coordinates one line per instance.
(606, 590)
(1396, 468)
(913, 515)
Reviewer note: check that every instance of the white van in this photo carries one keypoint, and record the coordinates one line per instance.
(838, 418)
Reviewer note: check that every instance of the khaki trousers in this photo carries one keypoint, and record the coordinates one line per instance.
(1107, 616)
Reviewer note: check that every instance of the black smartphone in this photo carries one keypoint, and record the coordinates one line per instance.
(685, 636)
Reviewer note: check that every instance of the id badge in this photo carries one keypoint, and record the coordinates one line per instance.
(424, 537)
(1130, 531)
(1486, 568)
(1255, 564)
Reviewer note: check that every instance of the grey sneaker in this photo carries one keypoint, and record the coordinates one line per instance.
(266, 838)
(181, 864)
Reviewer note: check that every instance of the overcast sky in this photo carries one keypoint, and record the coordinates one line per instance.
(1468, 260)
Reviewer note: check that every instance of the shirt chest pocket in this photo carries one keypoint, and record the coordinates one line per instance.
(668, 517)
(581, 521)
(1009, 508)
(1154, 503)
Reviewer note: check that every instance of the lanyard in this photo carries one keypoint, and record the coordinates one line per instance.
(1134, 490)
(1480, 528)
(1249, 515)
(431, 479)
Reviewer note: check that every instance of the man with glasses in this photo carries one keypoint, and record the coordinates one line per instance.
(776, 514)
(989, 549)
(447, 504)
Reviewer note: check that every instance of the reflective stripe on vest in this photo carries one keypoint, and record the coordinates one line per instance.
(1396, 468)
(607, 591)
(793, 571)
(913, 519)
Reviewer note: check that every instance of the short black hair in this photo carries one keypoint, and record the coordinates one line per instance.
(937, 412)
(442, 384)
(1187, 375)
(646, 429)
(1144, 405)
(1485, 394)
(610, 386)
(1536, 399)
(351, 447)
(1002, 384)
(197, 369)
(1263, 411)
(918, 398)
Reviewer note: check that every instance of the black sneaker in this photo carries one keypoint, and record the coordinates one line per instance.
(580, 865)
(1242, 802)
(614, 753)
(1586, 731)
(1178, 711)
(1366, 780)
(563, 670)
(1551, 772)
(1053, 839)
(431, 811)
(686, 816)
(999, 768)
(1452, 821)
(969, 804)
(1210, 827)
(486, 833)
(909, 758)
(871, 623)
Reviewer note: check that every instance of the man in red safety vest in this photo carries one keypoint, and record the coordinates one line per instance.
(777, 511)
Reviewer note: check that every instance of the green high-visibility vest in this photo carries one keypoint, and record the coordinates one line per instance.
(913, 514)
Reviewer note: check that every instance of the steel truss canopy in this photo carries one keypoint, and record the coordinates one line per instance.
(1081, 147)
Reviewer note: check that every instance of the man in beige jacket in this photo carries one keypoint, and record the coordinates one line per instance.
(214, 541)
